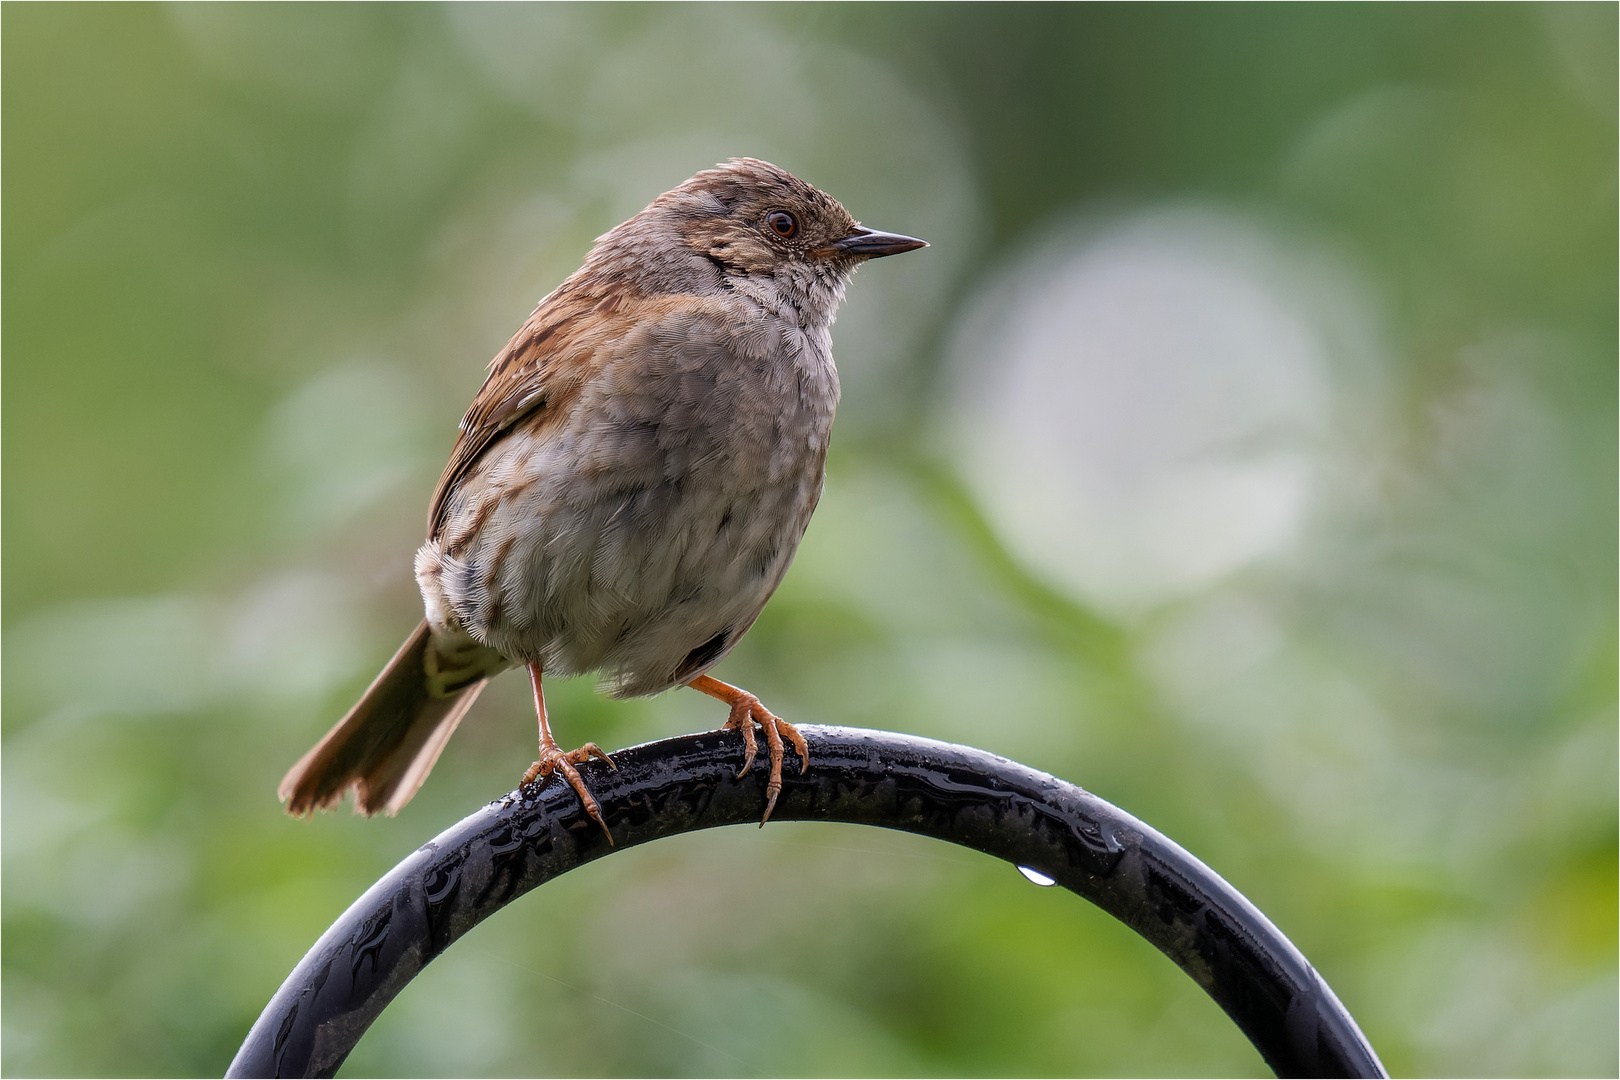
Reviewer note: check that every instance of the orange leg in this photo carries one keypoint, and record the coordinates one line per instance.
(746, 711)
(554, 759)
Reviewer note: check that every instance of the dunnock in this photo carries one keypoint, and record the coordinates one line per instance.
(630, 484)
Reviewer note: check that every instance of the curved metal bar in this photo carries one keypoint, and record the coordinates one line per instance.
(936, 789)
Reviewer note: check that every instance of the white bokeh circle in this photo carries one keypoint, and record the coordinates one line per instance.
(1142, 407)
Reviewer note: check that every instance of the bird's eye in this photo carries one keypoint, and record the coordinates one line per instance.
(782, 223)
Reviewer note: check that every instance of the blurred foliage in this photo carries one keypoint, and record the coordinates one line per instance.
(256, 256)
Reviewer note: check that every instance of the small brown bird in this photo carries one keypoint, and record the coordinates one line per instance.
(630, 484)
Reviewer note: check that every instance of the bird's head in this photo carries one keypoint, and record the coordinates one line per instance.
(752, 217)
(753, 226)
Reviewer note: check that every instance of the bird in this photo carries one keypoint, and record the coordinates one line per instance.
(629, 486)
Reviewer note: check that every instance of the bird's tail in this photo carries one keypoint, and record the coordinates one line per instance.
(387, 744)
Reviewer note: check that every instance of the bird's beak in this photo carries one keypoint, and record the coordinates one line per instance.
(871, 244)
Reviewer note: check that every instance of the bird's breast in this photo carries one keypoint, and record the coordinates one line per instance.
(665, 507)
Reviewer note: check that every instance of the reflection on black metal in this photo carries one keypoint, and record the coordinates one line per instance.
(1050, 829)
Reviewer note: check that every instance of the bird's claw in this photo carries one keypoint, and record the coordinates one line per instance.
(745, 713)
(554, 759)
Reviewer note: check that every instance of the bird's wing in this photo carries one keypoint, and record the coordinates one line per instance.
(567, 339)
(541, 368)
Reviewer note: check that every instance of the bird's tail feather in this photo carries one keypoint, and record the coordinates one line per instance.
(386, 745)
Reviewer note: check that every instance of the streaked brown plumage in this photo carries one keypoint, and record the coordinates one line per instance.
(630, 484)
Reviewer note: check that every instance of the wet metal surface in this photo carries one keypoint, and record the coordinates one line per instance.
(1046, 827)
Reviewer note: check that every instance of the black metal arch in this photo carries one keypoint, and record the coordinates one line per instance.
(936, 789)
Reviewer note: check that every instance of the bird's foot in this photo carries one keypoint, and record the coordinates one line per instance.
(555, 759)
(746, 711)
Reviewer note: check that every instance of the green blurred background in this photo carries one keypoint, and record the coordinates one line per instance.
(1243, 450)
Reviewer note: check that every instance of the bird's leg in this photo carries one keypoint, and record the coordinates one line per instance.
(554, 759)
(746, 711)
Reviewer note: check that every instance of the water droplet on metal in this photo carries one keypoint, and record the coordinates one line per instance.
(1036, 876)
